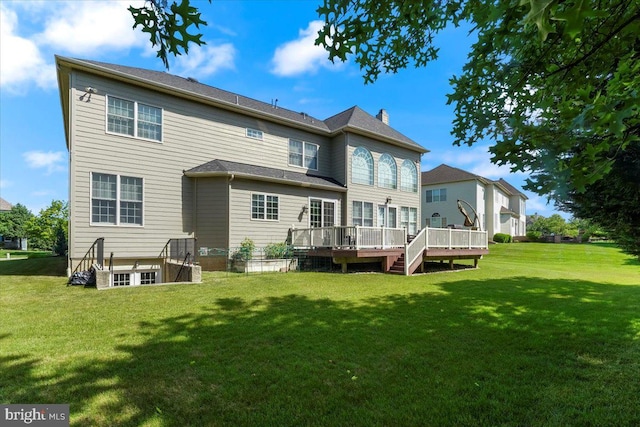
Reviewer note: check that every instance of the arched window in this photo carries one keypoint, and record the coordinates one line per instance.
(362, 166)
(408, 177)
(387, 172)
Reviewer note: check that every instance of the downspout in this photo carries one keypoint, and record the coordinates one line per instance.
(71, 167)
(231, 178)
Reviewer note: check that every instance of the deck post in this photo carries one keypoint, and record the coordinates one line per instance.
(450, 238)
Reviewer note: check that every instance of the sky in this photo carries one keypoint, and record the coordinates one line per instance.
(257, 48)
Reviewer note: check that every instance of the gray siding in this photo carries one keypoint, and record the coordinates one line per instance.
(193, 134)
(375, 194)
(291, 200)
(212, 212)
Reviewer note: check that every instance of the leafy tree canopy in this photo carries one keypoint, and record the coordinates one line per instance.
(49, 226)
(13, 222)
(168, 26)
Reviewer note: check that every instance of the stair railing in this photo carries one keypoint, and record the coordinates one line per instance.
(95, 255)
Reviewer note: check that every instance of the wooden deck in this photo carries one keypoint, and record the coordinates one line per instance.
(392, 260)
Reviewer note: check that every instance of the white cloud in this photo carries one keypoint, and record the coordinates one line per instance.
(31, 32)
(301, 55)
(477, 160)
(90, 28)
(21, 61)
(52, 161)
(4, 183)
(203, 61)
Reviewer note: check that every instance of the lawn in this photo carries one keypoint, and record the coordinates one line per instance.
(539, 335)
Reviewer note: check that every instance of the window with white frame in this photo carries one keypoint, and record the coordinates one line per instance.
(116, 199)
(147, 277)
(387, 172)
(303, 154)
(134, 119)
(322, 213)
(121, 279)
(254, 133)
(439, 195)
(265, 207)
(409, 219)
(362, 166)
(135, 278)
(362, 213)
(408, 177)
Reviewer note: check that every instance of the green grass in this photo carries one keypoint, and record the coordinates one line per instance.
(539, 335)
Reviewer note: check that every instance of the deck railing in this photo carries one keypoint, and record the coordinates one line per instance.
(348, 237)
(443, 238)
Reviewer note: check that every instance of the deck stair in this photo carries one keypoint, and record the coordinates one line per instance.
(398, 266)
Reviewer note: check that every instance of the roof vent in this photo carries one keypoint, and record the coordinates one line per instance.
(383, 116)
(192, 80)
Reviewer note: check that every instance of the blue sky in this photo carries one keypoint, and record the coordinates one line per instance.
(257, 48)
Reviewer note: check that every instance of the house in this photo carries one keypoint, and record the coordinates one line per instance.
(500, 207)
(158, 160)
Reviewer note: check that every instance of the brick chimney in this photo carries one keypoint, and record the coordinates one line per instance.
(383, 116)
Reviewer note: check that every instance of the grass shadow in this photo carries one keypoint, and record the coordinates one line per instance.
(517, 351)
(36, 265)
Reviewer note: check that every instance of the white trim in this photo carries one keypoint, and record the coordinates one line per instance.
(265, 206)
(117, 200)
(248, 134)
(135, 120)
(303, 154)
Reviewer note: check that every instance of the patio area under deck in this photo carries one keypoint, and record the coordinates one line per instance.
(390, 247)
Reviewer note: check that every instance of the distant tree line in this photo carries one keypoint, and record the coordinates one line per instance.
(49, 230)
(539, 227)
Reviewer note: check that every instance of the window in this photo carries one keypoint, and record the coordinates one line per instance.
(362, 167)
(116, 199)
(436, 221)
(322, 213)
(409, 219)
(121, 279)
(436, 195)
(387, 172)
(147, 278)
(130, 200)
(363, 214)
(264, 207)
(303, 154)
(134, 119)
(255, 134)
(408, 177)
(387, 216)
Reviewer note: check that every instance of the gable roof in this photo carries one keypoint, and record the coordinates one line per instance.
(242, 170)
(353, 119)
(511, 189)
(445, 173)
(356, 119)
(4, 205)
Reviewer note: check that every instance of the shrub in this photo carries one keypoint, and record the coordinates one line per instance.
(534, 236)
(245, 252)
(502, 238)
(277, 250)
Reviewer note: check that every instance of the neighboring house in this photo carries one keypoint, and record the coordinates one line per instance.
(154, 157)
(9, 242)
(501, 208)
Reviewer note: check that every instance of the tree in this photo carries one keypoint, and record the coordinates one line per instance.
(614, 203)
(49, 229)
(553, 84)
(168, 26)
(13, 222)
